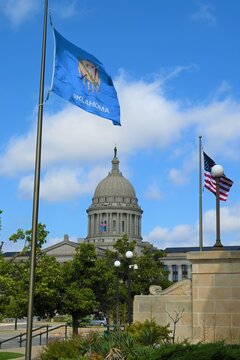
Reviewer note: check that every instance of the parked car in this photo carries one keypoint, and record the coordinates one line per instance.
(99, 322)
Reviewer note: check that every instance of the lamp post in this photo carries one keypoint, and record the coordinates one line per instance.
(117, 264)
(217, 172)
(129, 255)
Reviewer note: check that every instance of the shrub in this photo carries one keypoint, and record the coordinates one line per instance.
(149, 332)
(58, 349)
(216, 351)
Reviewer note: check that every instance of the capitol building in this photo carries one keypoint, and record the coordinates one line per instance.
(115, 212)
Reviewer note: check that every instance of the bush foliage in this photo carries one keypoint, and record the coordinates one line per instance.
(141, 341)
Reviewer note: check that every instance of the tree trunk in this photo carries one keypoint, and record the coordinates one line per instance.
(75, 319)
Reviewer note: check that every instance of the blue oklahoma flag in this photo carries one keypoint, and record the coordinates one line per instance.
(81, 79)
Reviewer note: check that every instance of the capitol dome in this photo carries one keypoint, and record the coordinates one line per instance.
(115, 185)
(114, 210)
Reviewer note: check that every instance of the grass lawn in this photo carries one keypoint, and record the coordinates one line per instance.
(9, 355)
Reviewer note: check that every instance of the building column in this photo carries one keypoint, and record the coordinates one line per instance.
(109, 223)
(89, 225)
(189, 271)
(170, 275)
(98, 229)
(120, 223)
(140, 226)
(179, 272)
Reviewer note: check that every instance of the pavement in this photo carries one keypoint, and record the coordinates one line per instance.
(7, 331)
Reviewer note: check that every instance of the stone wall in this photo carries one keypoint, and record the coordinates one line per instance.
(210, 302)
(162, 305)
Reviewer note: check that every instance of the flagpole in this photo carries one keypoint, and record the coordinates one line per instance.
(200, 196)
(36, 192)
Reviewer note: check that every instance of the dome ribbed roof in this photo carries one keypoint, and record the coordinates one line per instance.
(115, 184)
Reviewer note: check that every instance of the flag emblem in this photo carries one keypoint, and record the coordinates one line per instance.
(89, 74)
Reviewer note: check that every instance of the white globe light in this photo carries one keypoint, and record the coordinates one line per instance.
(129, 254)
(217, 171)
(117, 263)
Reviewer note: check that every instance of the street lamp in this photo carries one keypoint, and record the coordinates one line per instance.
(129, 255)
(217, 172)
(117, 265)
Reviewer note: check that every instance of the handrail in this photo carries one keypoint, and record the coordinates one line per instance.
(20, 336)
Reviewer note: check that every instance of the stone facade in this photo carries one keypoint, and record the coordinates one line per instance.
(210, 301)
(216, 295)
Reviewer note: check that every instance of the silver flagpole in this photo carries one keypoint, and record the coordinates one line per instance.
(200, 196)
(36, 192)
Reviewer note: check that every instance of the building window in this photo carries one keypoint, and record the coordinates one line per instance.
(114, 225)
(123, 226)
(174, 273)
(184, 271)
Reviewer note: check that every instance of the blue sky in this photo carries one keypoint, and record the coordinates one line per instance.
(175, 65)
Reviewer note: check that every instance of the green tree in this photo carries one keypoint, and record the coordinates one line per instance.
(86, 281)
(48, 279)
(48, 286)
(6, 284)
(16, 296)
(150, 270)
(26, 236)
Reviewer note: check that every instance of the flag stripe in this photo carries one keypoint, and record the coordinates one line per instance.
(210, 183)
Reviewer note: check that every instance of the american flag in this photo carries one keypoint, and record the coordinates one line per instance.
(103, 226)
(210, 183)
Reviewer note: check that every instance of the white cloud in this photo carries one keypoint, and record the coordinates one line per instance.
(205, 15)
(229, 219)
(181, 176)
(73, 138)
(153, 192)
(188, 235)
(19, 10)
(63, 184)
(219, 123)
(66, 9)
(180, 235)
(178, 177)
